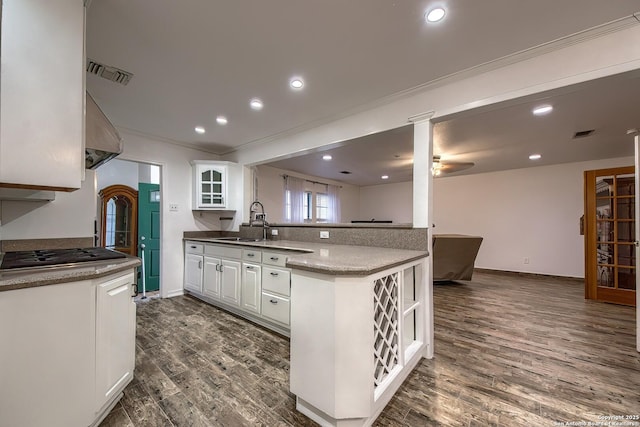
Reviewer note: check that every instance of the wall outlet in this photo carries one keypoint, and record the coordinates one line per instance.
(173, 207)
(324, 234)
(274, 231)
(526, 260)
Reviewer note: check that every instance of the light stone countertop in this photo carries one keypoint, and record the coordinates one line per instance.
(336, 260)
(32, 277)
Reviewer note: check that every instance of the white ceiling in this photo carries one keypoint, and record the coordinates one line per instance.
(194, 59)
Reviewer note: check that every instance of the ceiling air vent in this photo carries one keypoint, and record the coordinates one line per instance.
(110, 73)
(583, 133)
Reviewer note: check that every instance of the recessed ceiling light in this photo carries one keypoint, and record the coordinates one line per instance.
(199, 129)
(385, 177)
(327, 157)
(296, 83)
(542, 110)
(256, 104)
(222, 120)
(535, 156)
(434, 15)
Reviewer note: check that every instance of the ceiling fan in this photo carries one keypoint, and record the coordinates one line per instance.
(444, 167)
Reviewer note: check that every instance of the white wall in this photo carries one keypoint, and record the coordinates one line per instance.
(69, 215)
(531, 212)
(271, 193)
(117, 172)
(387, 202)
(175, 188)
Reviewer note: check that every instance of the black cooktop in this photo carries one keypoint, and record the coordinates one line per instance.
(49, 257)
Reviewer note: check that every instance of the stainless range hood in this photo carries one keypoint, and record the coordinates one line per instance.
(102, 141)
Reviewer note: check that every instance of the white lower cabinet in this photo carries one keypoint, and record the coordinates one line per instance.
(251, 287)
(211, 277)
(193, 266)
(67, 351)
(115, 337)
(249, 282)
(230, 282)
(275, 308)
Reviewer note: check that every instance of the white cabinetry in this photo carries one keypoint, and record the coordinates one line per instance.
(249, 282)
(230, 282)
(276, 288)
(42, 94)
(209, 185)
(193, 266)
(211, 277)
(251, 279)
(68, 351)
(115, 337)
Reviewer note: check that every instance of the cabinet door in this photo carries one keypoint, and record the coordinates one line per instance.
(211, 277)
(42, 131)
(251, 288)
(193, 272)
(115, 337)
(230, 281)
(211, 186)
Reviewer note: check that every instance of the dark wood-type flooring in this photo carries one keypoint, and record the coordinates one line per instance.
(510, 351)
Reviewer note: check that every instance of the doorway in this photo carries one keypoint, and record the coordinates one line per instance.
(610, 251)
(143, 180)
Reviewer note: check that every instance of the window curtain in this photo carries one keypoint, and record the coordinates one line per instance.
(294, 198)
(333, 211)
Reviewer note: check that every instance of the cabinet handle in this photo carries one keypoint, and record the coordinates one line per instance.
(199, 264)
(221, 268)
(274, 274)
(193, 247)
(251, 255)
(273, 301)
(249, 267)
(274, 258)
(217, 267)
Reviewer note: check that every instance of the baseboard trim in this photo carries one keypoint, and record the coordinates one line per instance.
(524, 274)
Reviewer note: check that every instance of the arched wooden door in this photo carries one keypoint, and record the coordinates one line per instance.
(119, 222)
(610, 250)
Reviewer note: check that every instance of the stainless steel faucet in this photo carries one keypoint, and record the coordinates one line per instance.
(262, 219)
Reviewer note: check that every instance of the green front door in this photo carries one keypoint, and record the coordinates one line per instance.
(149, 234)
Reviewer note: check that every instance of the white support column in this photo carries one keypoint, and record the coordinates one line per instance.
(423, 209)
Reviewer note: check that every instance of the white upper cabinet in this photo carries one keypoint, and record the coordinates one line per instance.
(42, 94)
(215, 185)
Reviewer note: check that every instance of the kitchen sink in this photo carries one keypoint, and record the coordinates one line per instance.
(239, 239)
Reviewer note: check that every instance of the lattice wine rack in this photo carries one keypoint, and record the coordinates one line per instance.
(386, 348)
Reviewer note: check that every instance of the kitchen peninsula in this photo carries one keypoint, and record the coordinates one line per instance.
(359, 317)
(68, 341)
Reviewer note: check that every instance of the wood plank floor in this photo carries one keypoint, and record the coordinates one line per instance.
(510, 351)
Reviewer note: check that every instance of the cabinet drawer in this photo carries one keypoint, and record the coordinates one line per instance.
(274, 258)
(194, 248)
(275, 308)
(252, 255)
(276, 280)
(223, 251)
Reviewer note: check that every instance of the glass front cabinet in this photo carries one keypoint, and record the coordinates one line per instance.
(210, 186)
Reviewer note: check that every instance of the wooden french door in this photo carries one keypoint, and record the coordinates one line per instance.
(610, 250)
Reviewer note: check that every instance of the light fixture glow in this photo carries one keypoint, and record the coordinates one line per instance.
(199, 129)
(435, 15)
(535, 156)
(385, 177)
(296, 83)
(327, 157)
(222, 120)
(256, 104)
(542, 110)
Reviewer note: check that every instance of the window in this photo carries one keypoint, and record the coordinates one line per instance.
(322, 207)
(308, 201)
